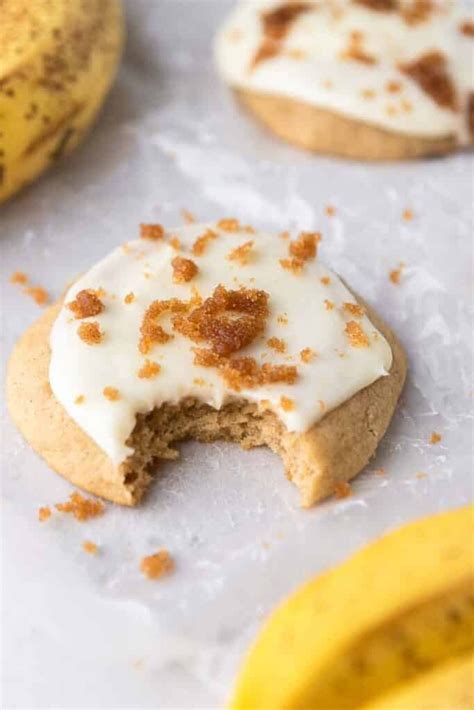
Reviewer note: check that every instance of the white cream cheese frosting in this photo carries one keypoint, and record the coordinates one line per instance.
(306, 313)
(351, 57)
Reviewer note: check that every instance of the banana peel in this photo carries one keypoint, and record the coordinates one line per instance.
(58, 59)
(448, 687)
(393, 611)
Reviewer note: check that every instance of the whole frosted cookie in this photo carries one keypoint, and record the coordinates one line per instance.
(206, 332)
(371, 79)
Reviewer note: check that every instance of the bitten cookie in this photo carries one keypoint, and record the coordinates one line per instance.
(209, 332)
(370, 79)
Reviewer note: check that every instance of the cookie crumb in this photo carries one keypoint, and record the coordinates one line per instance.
(305, 247)
(38, 294)
(90, 547)
(435, 437)
(293, 265)
(286, 404)
(407, 214)
(81, 508)
(183, 270)
(80, 399)
(277, 344)
(325, 280)
(202, 242)
(149, 370)
(229, 224)
(396, 274)
(354, 309)
(90, 333)
(342, 490)
(157, 565)
(330, 211)
(19, 277)
(44, 513)
(129, 298)
(307, 355)
(152, 231)
(111, 393)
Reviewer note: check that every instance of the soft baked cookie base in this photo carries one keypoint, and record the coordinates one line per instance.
(333, 451)
(324, 131)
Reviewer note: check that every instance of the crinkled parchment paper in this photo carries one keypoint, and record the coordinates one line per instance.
(91, 632)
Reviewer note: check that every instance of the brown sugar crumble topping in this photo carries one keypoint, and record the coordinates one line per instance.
(277, 344)
(151, 332)
(44, 513)
(38, 294)
(330, 211)
(379, 5)
(307, 355)
(430, 72)
(152, 231)
(408, 215)
(396, 274)
(467, 28)
(328, 305)
(129, 298)
(229, 224)
(356, 335)
(81, 508)
(183, 270)
(80, 399)
(111, 393)
(86, 304)
(18, 277)
(90, 333)
(202, 242)
(418, 11)
(435, 437)
(276, 24)
(90, 547)
(325, 280)
(241, 253)
(355, 51)
(157, 565)
(286, 404)
(342, 490)
(149, 370)
(188, 216)
(354, 309)
(245, 372)
(306, 246)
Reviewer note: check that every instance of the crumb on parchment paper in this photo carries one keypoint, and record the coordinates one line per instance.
(157, 565)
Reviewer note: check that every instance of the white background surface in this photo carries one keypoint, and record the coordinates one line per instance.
(85, 632)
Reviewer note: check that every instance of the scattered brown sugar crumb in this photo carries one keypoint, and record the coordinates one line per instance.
(82, 508)
(157, 565)
(286, 404)
(175, 242)
(90, 333)
(435, 437)
(297, 54)
(305, 247)
(90, 547)
(408, 214)
(276, 24)
(80, 399)
(152, 231)
(330, 210)
(354, 309)
(111, 393)
(282, 319)
(378, 5)
(430, 72)
(44, 513)
(294, 265)
(285, 235)
(149, 370)
(202, 242)
(356, 335)
(229, 224)
(342, 490)
(328, 305)
(241, 253)
(86, 304)
(18, 277)
(285, 374)
(129, 298)
(396, 274)
(150, 331)
(407, 106)
(355, 51)
(227, 320)
(183, 270)
(246, 372)
(368, 93)
(38, 294)
(277, 344)
(467, 28)
(393, 87)
(188, 217)
(416, 12)
(325, 280)
(307, 355)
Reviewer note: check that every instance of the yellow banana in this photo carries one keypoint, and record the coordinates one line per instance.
(447, 687)
(57, 61)
(394, 609)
